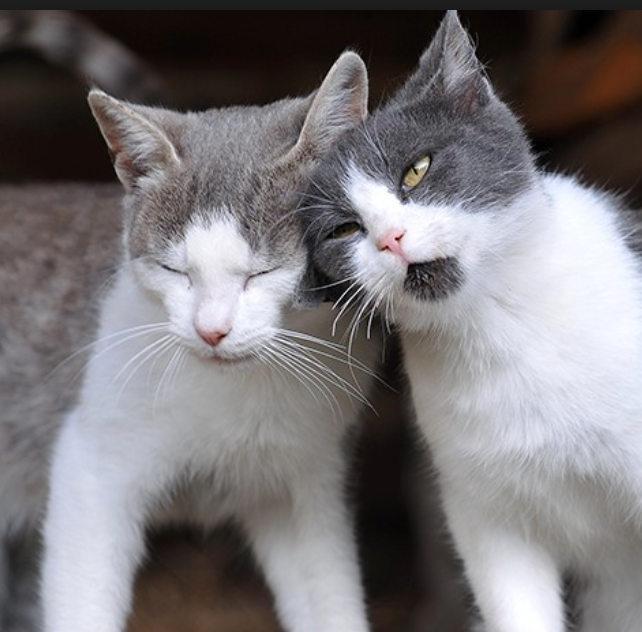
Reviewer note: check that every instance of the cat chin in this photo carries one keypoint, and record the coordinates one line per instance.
(434, 280)
(226, 363)
(232, 364)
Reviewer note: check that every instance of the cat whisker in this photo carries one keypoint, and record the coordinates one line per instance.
(294, 368)
(356, 320)
(370, 299)
(118, 338)
(376, 145)
(352, 282)
(131, 367)
(341, 353)
(350, 300)
(373, 312)
(325, 286)
(388, 315)
(322, 370)
(348, 360)
(322, 380)
(314, 223)
(171, 370)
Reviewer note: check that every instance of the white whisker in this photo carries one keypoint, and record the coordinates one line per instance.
(274, 351)
(138, 360)
(343, 356)
(358, 290)
(328, 373)
(171, 369)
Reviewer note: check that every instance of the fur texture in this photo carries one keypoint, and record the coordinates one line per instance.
(518, 297)
(167, 364)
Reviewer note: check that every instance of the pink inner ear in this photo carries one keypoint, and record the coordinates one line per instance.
(124, 163)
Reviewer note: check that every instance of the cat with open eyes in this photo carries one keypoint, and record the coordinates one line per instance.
(166, 365)
(517, 294)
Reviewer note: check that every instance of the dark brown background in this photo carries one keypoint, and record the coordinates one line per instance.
(574, 77)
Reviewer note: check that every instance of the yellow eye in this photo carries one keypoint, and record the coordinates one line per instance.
(345, 230)
(415, 174)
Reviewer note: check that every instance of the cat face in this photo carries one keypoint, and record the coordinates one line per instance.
(223, 298)
(208, 226)
(415, 205)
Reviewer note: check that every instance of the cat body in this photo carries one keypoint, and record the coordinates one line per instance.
(60, 242)
(191, 381)
(518, 297)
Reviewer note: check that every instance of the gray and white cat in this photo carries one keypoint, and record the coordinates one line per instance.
(165, 364)
(518, 297)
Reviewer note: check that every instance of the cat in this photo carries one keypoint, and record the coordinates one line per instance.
(169, 364)
(70, 41)
(517, 295)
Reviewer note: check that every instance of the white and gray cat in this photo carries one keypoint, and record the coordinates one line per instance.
(518, 297)
(171, 358)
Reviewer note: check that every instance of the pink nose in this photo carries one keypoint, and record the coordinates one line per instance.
(392, 241)
(212, 337)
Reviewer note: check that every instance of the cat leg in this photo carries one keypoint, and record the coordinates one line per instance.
(4, 580)
(308, 554)
(516, 584)
(23, 612)
(613, 598)
(93, 536)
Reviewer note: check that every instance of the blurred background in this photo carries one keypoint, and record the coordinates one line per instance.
(574, 77)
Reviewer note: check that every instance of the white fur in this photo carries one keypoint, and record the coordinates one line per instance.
(527, 385)
(248, 442)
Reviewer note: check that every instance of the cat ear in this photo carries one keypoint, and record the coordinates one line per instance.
(450, 67)
(139, 147)
(340, 103)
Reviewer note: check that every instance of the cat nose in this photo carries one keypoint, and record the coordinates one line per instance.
(212, 337)
(391, 241)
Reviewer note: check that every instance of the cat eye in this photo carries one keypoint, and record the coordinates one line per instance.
(345, 230)
(170, 269)
(263, 272)
(415, 174)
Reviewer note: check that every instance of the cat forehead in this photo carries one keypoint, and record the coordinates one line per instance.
(485, 157)
(242, 136)
(214, 246)
(231, 168)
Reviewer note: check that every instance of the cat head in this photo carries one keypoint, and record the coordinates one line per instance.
(414, 205)
(208, 221)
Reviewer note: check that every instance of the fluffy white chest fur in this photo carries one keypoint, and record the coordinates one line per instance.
(530, 399)
(254, 428)
(518, 297)
(526, 384)
(171, 425)
(211, 391)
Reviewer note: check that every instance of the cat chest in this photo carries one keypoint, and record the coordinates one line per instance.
(523, 451)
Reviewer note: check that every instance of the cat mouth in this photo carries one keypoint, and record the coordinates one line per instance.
(434, 280)
(238, 361)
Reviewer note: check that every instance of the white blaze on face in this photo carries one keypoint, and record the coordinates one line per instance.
(402, 233)
(224, 299)
(219, 261)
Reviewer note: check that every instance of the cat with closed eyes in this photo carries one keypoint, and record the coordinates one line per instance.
(167, 365)
(517, 294)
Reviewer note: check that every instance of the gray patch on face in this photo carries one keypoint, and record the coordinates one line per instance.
(434, 280)
(481, 158)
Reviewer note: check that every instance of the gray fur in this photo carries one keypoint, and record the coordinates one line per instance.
(61, 243)
(446, 109)
(434, 280)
